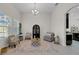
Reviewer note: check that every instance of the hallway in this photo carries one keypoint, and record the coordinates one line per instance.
(46, 48)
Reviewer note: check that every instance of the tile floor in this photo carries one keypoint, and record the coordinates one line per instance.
(46, 48)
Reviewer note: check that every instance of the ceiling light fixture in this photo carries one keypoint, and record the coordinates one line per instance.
(35, 10)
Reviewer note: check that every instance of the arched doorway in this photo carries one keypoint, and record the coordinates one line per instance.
(36, 31)
(72, 26)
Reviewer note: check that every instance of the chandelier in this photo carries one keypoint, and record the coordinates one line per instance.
(35, 10)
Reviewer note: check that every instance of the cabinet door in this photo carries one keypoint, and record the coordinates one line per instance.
(36, 30)
(68, 39)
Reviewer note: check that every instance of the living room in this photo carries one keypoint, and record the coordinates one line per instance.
(23, 20)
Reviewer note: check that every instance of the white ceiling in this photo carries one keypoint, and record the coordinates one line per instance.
(27, 7)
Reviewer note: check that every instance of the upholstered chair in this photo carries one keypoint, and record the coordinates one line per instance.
(27, 36)
(13, 41)
(49, 37)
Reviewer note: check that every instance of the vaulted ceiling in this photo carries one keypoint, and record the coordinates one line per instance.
(74, 11)
(27, 7)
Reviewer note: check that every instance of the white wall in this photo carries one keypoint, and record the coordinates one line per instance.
(9, 10)
(43, 20)
(58, 21)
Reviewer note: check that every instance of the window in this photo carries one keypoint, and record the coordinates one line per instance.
(3, 31)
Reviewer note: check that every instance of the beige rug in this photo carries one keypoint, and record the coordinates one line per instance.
(46, 48)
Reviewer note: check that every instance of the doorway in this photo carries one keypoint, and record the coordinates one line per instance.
(36, 31)
(72, 27)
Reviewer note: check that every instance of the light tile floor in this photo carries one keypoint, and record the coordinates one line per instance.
(46, 48)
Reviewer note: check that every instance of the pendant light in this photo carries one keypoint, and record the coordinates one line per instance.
(35, 10)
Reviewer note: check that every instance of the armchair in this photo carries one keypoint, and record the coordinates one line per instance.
(49, 37)
(13, 41)
(28, 36)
